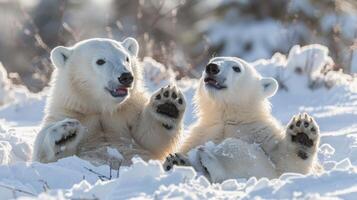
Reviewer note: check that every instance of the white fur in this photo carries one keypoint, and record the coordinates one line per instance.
(242, 112)
(100, 120)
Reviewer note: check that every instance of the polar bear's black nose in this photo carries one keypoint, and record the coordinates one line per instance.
(126, 79)
(212, 69)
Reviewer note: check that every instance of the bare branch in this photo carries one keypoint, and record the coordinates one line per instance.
(17, 190)
(100, 176)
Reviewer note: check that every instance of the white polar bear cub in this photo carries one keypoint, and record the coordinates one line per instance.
(98, 101)
(234, 113)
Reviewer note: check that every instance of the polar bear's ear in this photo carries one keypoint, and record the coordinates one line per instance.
(60, 55)
(269, 86)
(131, 45)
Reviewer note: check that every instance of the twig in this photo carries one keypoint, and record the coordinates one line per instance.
(160, 16)
(45, 185)
(111, 164)
(17, 190)
(119, 168)
(100, 176)
(36, 34)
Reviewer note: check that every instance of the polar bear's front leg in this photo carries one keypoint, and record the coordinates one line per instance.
(58, 140)
(161, 121)
(300, 145)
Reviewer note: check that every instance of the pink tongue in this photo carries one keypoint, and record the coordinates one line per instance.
(121, 91)
(212, 81)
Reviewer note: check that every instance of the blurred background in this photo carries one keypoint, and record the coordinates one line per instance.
(183, 35)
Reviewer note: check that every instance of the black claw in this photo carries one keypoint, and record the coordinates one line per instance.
(168, 127)
(158, 97)
(298, 123)
(306, 124)
(180, 101)
(174, 95)
(166, 94)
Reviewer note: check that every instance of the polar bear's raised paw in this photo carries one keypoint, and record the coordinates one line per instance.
(65, 133)
(168, 105)
(304, 134)
(175, 159)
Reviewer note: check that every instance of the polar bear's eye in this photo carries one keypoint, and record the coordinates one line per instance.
(127, 59)
(236, 69)
(100, 62)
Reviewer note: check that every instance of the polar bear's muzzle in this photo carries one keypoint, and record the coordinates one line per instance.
(121, 89)
(118, 92)
(213, 82)
(211, 79)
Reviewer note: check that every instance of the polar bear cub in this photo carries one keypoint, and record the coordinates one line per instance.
(98, 101)
(234, 113)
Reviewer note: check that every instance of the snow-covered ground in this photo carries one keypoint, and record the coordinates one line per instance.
(331, 97)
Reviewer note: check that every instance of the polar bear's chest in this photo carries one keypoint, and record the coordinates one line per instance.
(251, 133)
(107, 128)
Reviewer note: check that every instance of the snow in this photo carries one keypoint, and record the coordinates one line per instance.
(252, 43)
(313, 57)
(332, 101)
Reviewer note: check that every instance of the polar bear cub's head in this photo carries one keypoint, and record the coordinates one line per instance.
(230, 80)
(101, 69)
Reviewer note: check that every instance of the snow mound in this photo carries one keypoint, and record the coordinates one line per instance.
(13, 148)
(148, 181)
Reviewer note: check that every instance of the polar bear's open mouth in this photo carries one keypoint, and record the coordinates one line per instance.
(118, 92)
(211, 82)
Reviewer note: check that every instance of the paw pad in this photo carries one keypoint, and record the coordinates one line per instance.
(304, 134)
(303, 130)
(65, 131)
(168, 109)
(66, 138)
(302, 139)
(169, 102)
(302, 154)
(166, 94)
(174, 95)
(298, 123)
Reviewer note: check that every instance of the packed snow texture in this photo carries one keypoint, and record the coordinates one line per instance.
(329, 96)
